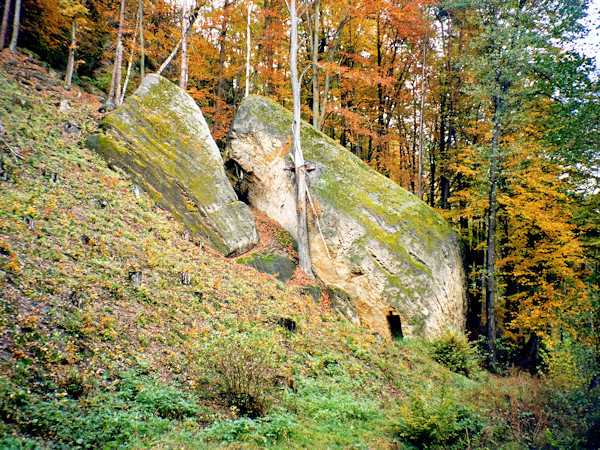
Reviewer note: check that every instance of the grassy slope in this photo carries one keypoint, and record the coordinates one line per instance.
(89, 360)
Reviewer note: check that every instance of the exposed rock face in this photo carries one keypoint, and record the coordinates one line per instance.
(161, 139)
(395, 264)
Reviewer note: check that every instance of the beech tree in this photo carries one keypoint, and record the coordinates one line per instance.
(183, 76)
(114, 94)
(300, 166)
(142, 43)
(512, 37)
(76, 11)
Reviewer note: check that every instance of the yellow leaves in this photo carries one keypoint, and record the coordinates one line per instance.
(14, 264)
(50, 208)
(29, 211)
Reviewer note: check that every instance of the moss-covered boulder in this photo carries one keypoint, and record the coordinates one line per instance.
(396, 261)
(280, 266)
(161, 139)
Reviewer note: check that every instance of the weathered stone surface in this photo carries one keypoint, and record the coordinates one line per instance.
(161, 139)
(391, 254)
(280, 266)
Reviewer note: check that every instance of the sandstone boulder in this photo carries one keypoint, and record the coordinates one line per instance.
(161, 139)
(395, 264)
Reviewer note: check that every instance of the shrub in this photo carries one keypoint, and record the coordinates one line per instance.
(435, 417)
(454, 351)
(244, 364)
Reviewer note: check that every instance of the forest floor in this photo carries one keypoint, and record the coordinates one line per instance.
(102, 345)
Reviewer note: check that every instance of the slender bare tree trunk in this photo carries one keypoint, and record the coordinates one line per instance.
(302, 222)
(72, 49)
(315, 69)
(16, 24)
(142, 49)
(129, 64)
(4, 28)
(248, 50)
(327, 83)
(115, 87)
(421, 113)
(71, 59)
(170, 58)
(220, 77)
(183, 77)
(490, 263)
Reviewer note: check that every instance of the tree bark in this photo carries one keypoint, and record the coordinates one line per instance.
(115, 87)
(72, 49)
(129, 64)
(71, 59)
(248, 50)
(16, 24)
(184, 54)
(326, 85)
(4, 28)
(302, 222)
(220, 77)
(490, 263)
(421, 113)
(193, 18)
(142, 49)
(315, 69)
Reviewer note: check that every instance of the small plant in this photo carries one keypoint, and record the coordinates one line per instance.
(263, 430)
(454, 351)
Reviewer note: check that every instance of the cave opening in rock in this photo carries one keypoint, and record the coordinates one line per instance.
(395, 326)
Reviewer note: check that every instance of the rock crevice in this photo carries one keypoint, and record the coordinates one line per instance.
(160, 138)
(390, 252)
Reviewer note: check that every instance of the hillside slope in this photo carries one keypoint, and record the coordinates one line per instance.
(117, 329)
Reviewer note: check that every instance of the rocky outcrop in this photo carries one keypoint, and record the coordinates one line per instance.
(161, 139)
(395, 264)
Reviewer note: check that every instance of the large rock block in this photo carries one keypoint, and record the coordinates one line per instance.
(161, 139)
(395, 264)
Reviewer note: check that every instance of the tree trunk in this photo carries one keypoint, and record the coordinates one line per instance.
(220, 77)
(115, 87)
(184, 54)
(302, 222)
(490, 294)
(192, 19)
(332, 48)
(71, 59)
(142, 49)
(248, 50)
(315, 69)
(421, 113)
(16, 24)
(4, 28)
(129, 64)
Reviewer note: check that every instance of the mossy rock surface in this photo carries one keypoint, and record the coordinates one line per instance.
(388, 250)
(280, 266)
(161, 139)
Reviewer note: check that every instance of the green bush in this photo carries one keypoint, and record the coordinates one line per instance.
(454, 351)
(244, 362)
(435, 417)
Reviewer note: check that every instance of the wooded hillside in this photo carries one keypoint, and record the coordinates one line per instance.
(484, 109)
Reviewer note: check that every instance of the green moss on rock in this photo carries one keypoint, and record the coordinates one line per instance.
(280, 266)
(161, 139)
(391, 251)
